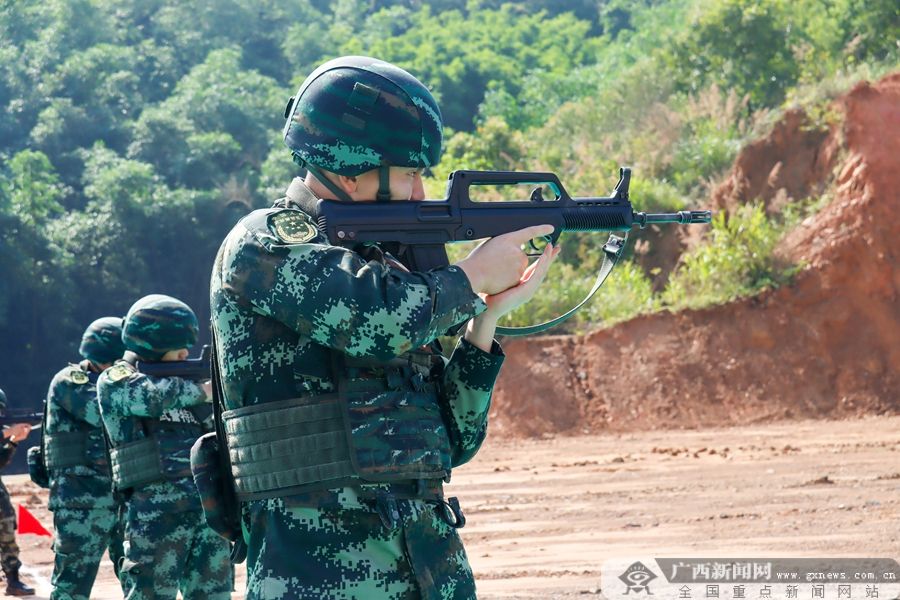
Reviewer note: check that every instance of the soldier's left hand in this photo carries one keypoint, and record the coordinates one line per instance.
(506, 301)
(17, 432)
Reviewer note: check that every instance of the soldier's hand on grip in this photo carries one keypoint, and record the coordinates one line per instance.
(525, 289)
(499, 263)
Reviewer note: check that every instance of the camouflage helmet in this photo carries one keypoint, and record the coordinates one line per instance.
(102, 341)
(355, 113)
(156, 324)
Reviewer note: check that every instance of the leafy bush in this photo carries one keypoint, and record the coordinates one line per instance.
(737, 261)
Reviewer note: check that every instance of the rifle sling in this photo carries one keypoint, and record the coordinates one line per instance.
(612, 251)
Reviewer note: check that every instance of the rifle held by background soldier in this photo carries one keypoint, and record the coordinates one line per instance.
(196, 369)
(13, 417)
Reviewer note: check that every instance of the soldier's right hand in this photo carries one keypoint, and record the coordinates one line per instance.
(498, 264)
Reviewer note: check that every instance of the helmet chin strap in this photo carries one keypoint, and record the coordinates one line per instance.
(384, 181)
(332, 187)
(384, 184)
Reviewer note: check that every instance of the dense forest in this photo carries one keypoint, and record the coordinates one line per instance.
(134, 133)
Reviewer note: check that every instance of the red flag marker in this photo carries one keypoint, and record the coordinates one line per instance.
(28, 523)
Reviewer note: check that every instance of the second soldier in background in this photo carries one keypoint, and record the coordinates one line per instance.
(152, 422)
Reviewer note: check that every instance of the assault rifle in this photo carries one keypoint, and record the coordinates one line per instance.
(417, 231)
(13, 417)
(196, 369)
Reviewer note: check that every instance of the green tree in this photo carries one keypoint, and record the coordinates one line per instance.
(745, 45)
(33, 190)
(34, 285)
(493, 146)
(461, 55)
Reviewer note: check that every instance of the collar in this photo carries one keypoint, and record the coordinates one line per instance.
(299, 195)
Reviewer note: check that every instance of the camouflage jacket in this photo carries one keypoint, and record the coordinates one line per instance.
(175, 410)
(72, 406)
(283, 300)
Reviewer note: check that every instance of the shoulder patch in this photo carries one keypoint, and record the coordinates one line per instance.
(119, 372)
(78, 377)
(292, 227)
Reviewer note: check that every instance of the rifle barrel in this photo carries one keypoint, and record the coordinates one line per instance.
(683, 217)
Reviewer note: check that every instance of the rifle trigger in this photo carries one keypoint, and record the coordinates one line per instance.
(538, 251)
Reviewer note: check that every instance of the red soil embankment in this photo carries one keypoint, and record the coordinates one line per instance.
(828, 345)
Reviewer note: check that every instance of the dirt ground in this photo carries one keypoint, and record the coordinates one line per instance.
(544, 514)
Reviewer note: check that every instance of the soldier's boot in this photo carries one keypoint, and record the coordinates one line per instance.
(15, 586)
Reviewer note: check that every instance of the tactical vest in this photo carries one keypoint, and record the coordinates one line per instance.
(66, 449)
(162, 453)
(383, 424)
(83, 447)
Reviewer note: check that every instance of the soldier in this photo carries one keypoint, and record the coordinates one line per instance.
(344, 419)
(85, 511)
(152, 423)
(9, 550)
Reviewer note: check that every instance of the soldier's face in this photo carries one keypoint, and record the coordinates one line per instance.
(406, 184)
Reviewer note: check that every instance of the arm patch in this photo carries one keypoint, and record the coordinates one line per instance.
(119, 372)
(78, 377)
(292, 227)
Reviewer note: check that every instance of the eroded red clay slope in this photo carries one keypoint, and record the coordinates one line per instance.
(826, 346)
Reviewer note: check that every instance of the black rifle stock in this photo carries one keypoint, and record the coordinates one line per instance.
(417, 231)
(197, 369)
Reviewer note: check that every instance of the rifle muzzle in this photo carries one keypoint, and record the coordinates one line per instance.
(682, 217)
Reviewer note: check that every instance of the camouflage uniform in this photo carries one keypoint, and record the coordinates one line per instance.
(9, 549)
(341, 343)
(278, 309)
(85, 512)
(168, 546)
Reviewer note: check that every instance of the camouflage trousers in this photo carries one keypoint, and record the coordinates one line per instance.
(170, 551)
(82, 536)
(9, 549)
(349, 551)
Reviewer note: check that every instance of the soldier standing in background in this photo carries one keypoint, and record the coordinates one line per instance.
(9, 550)
(330, 365)
(152, 422)
(85, 510)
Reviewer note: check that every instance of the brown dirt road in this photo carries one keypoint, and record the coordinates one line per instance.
(544, 514)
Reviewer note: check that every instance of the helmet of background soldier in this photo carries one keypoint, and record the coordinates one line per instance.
(156, 324)
(355, 113)
(102, 341)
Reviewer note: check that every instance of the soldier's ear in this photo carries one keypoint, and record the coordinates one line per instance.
(348, 184)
